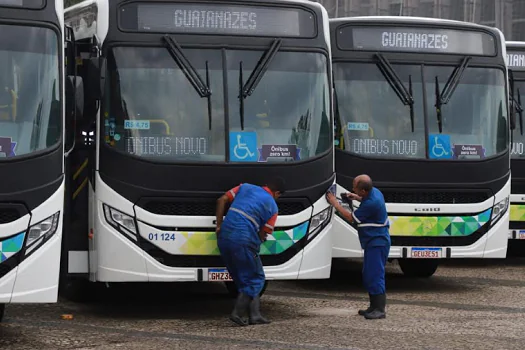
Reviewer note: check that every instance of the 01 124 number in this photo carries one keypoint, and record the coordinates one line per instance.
(161, 236)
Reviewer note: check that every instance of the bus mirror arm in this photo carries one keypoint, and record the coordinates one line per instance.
(96, 77)
(74, 89)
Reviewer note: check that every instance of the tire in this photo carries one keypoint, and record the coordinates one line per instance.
(418, 268)
(232, 289)
(2, 312)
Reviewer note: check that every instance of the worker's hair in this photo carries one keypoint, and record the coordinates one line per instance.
(365, 185)
(277, 184)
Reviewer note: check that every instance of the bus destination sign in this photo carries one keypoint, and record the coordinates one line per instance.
(516, 59)
(411, 39)
(29, 4)
(220, 18)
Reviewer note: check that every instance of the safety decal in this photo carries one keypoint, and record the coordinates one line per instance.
(439, 146)
(243, 146)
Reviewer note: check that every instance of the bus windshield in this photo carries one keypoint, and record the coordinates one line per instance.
(154, 111)
(518, 140)
(374, 122)
(30, 99)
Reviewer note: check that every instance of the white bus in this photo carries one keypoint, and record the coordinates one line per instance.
(32, 146)
(421, 105)
(184, 101)
(516, 67)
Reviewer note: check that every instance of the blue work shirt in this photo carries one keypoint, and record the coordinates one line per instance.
(252, 209)
(372, 220)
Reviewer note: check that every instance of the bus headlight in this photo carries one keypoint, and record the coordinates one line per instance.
(41, 232)
(318, 222)
(499, 209)
(121, 222)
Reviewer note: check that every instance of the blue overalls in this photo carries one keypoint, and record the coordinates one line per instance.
(239, 243)
(372, 223)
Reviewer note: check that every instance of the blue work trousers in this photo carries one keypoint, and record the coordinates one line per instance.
(244, 265)
(374, 269)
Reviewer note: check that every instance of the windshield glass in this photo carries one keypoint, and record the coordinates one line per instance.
(474, 121)
(518, 140)
(371, 120)
(154, 111)
(30, 99)
(286, 118)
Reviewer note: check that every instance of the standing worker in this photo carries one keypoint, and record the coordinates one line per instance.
(372, 222)
(249, 220)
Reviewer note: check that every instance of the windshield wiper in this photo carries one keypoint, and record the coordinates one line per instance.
(202, 88)
(256, 76)
(442, 98)
(397, 85)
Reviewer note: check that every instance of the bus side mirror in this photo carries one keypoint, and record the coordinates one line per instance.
(96, 77)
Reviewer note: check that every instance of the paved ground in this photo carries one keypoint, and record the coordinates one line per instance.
(468, 305)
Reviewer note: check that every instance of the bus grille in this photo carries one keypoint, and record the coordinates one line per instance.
(8, 215)
(207, 208)
(434, 196)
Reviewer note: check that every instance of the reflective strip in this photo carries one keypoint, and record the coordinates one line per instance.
(269, 226)
(246, 216)
(355, 218)
(232, 193)
(374, 225)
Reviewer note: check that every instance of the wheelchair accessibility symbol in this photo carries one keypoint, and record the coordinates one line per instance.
(439, 146)
(243, 146)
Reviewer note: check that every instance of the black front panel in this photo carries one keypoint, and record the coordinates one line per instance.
(183, 184)
(450, 181)
(206, 206)
(30, 181)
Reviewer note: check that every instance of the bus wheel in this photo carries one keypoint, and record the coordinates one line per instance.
(2, 311)
(232, 289)
(418, 268)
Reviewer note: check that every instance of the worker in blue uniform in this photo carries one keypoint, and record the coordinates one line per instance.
(250, 218)
(372, 223)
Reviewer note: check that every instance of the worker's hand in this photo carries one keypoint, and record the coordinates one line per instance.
(263, 236)
(217, 228)
(331, 199)
(353, 196)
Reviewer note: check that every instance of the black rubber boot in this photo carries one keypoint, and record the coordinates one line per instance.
(379, 303)
(370, 307)
(255, 314)
(240, 309)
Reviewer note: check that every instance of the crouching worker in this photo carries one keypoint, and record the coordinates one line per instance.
(372, 226)
(250, 218)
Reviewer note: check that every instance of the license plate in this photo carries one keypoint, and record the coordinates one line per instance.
(219, 275)
(521, 234)
(427, 253)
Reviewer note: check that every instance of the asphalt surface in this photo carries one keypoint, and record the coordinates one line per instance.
(465, 305)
